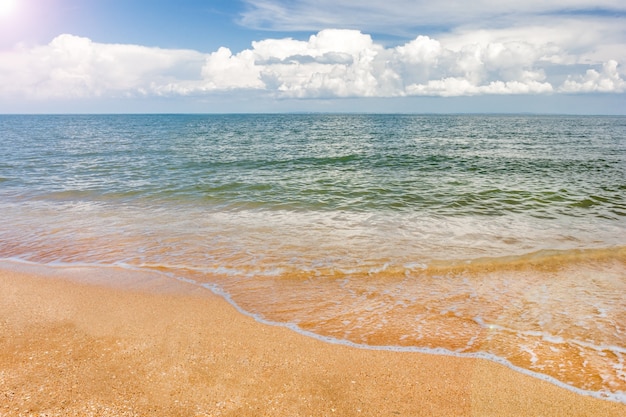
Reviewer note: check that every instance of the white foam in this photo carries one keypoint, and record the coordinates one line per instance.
(617, 396)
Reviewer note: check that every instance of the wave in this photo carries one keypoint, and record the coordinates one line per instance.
(98, 273)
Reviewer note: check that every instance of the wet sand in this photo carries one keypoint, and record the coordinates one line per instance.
(76, 347)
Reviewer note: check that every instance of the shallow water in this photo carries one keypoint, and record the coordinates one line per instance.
(497, 236)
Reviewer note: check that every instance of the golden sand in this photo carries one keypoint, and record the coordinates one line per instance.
(70, 348)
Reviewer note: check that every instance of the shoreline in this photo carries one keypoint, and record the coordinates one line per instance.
(74, 343)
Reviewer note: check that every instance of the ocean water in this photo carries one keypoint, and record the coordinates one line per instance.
(502, 237)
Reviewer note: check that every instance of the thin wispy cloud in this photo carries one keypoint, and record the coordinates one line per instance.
(401, 16)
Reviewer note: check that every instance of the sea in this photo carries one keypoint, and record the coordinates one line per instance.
(500, 237)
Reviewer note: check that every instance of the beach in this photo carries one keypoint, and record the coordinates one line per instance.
(296, 264)
(72, 345)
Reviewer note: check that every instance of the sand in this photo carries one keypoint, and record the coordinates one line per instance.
(76, 347)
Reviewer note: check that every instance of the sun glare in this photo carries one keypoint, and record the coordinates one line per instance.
(6, 7)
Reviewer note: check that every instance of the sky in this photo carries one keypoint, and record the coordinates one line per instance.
(234, 56)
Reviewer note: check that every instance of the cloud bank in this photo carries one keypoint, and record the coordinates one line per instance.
(331, 63)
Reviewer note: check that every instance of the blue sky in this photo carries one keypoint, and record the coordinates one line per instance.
(563, 56)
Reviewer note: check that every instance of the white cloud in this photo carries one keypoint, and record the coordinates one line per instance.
(562, 40)
(593, 81)
(223, 70)
(567, 31)
(400, 16)
(455, 86)
(75, 67)
(331, 63)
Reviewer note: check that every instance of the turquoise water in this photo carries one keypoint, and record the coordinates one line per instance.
(493, 236)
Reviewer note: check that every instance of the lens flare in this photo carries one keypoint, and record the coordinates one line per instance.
(6, 7)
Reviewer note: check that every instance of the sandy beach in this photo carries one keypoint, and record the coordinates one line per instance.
(76, 347)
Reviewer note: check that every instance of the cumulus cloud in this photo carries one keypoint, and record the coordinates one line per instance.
(330, 63)
(560, 40)
(223, 70)
(75, 67)
(608, 80)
